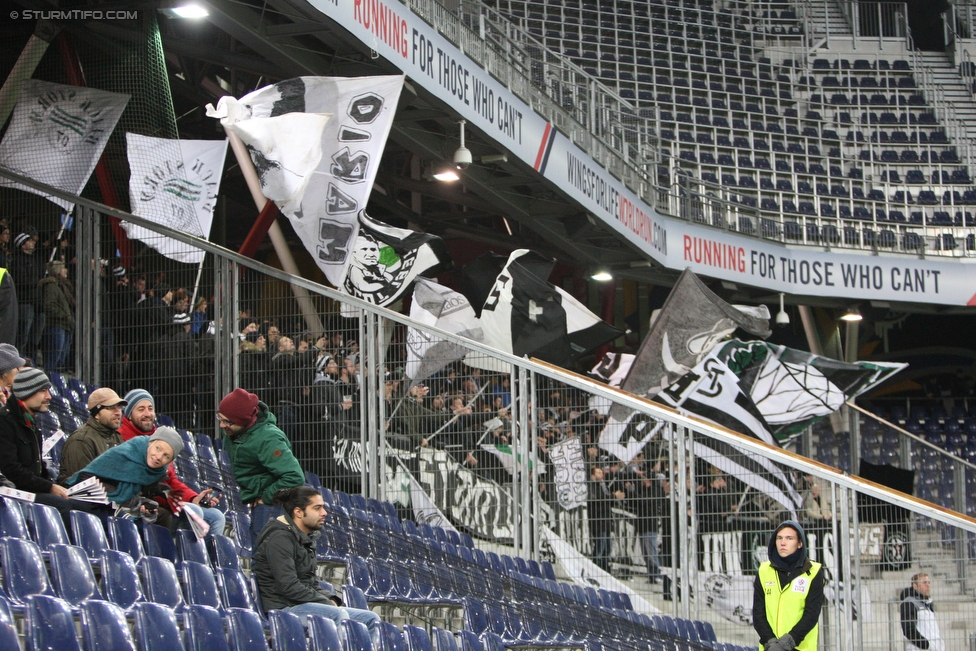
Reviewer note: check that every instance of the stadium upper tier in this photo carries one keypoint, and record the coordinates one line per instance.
(828, 149)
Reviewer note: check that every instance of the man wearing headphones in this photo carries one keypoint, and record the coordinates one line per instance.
(97, 435)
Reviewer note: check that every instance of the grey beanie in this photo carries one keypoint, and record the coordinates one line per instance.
(9, 358)
(29, 381)
(169, 436)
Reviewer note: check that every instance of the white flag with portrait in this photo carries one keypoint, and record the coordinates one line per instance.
(174, 183)
(316, 143)
(57, 134)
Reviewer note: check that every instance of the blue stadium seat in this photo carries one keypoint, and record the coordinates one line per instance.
(443, 640)
(323, 635)
(47, 527)
(72, 575)
(156, 628)
(160, 582)
(89, 534)
(353, 636)
(204, 629)
(416, 637)
(222, 552)
(12, 521)
(468, 641)
(120, 579)
(159, 542)
(234, 589)
(23, 568)
(287, 631)
(245, 631)
(8, 629)
(123, 535)
(48, 625)
(190, 548)
(103, 627)
(200, 585)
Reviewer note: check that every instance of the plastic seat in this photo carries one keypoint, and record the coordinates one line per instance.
(287, 631)
(469, 641)
(72, 575)
(353, 636)
(103, 627)
(160, 582)
(222, 552)
(323, 635)
(8, 629)
(89, 534)
(120, 579)
(491, 642)
(123, 536)
(204, 629)
(190, 548)
(241, 525)
(417, 639)
(443, 640)
(156, 628)
(12, 522)
(200, 585)
(24, 574)
(354, 597)
(48, 625)
(47, 526)
(245, 631)
(159, 542)
(234, 589)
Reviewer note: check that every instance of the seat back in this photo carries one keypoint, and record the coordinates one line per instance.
(156, 628)
(322, 634)
(417, 638)
(48, 624)
(469, 641)
(391, 638)
(23, 569)
(160, 583)
(353, 636)
(475, 618)
(241, 526)
(124, 537)
(72, 574)
(353, 597)
(223, 552)
(234, 589)
(190, 548)
(159, 542)
(204, 629)
(491, 642)
(47, 525)
(120, 579)
(88, 533)
(12, 522)
(245, 631)
(103, 627)
(200, 585)
(443, 640)
(287, 632)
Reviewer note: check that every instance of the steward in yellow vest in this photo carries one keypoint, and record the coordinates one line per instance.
(788, 593)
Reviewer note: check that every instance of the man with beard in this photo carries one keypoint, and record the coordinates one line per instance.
(139, 419)
(97, 435)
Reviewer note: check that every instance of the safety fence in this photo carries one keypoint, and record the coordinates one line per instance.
(504, 449)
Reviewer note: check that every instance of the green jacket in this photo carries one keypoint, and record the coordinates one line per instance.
(262, 460)
(59, 302)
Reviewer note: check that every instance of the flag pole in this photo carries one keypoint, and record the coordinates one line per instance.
(196, 283)
(456, 416)
(309, 313)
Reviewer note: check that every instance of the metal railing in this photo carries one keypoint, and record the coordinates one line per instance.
(508, 413)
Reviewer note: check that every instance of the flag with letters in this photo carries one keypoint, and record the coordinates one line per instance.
(316, 143)
(174, 183)
(57, 134)
(443, 308)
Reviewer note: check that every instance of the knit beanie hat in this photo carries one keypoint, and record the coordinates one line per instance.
(169, 436)
(133, 398)
(239, 407)
(181, 318)
(29, 381)
(20, 239)
(9, 358)
(54, 267)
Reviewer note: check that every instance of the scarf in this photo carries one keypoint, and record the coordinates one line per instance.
(124, 465)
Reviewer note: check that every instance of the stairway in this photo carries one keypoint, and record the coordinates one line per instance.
(947, 77)
(825, 18)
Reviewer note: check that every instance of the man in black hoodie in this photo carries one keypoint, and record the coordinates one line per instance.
(788, 593)
(285, 563)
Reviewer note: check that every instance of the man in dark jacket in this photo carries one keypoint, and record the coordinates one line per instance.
(285, 564)
(27, 268)
(8, 309)
(918, 623)
(20, 443)
(98, 434)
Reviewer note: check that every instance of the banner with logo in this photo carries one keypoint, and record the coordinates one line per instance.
(57, 134)
(174, 183)
(569, 473)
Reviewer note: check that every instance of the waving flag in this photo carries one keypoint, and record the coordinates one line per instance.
(174, 183)
(438, 306)
(524, 314)
(319, 171)
(57, 134)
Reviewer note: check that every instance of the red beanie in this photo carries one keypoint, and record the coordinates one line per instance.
(240, 407)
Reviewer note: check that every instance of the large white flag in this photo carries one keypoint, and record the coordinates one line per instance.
(438, 306)
(318, 170)
(174, 183)
(57, 134)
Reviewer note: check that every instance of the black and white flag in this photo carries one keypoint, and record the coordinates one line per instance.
(316, 143)
(613, 368)
(569, 473)
(57, 134)
(691, 322)
(441, 307)
(174, 183)
(526, 315)
(386, 260)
